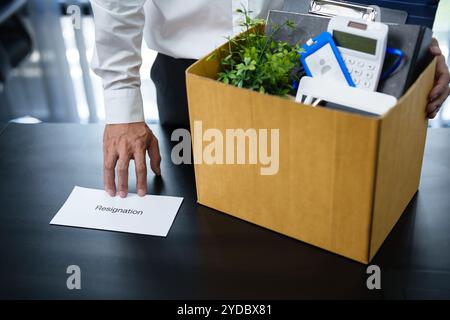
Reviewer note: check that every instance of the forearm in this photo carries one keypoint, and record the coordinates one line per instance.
(117, 57)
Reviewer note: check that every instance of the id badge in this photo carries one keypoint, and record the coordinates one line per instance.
(321, 58)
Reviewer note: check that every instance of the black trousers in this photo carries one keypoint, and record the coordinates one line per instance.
(168, 74)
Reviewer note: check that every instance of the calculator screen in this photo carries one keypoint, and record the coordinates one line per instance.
(354, 42)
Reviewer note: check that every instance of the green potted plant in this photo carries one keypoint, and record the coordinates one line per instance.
(256, 61)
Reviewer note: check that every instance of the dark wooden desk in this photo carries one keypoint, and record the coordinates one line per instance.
(206, 254)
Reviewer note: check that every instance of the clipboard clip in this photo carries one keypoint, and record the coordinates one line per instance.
(331, 8)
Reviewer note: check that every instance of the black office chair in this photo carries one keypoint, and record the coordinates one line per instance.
(15, 40)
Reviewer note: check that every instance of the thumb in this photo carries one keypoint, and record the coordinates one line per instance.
(434, 48)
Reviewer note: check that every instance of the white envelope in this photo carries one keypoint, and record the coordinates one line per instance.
(95, 209)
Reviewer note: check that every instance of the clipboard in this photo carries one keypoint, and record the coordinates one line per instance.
(330, 8)
(413, 40)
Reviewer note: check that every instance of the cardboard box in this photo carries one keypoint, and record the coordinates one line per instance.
(344, 179)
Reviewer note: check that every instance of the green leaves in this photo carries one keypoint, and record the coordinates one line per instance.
(257, 62)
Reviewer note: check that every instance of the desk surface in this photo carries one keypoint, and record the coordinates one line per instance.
(207, 254)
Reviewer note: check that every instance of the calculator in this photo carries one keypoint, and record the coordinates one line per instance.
(362, 45)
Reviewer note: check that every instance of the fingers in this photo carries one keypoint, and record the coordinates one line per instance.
(434, 113)
(141, 172)
(434, 107)
(122, 143)
(442, 72)
(155, 157)
(109, 165)
(437, 98)
(434, 48)
(122, 173)
(440, 91)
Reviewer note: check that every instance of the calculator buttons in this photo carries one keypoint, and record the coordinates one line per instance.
(362, 72)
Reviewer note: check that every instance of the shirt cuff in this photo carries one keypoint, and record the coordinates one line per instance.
(123, 106)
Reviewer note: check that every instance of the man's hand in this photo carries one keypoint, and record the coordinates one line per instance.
(440, 91)
(121, 143)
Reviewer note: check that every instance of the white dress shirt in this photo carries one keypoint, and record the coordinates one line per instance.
(179, 28)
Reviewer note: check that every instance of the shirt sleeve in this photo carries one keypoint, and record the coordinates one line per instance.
(117, 57)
